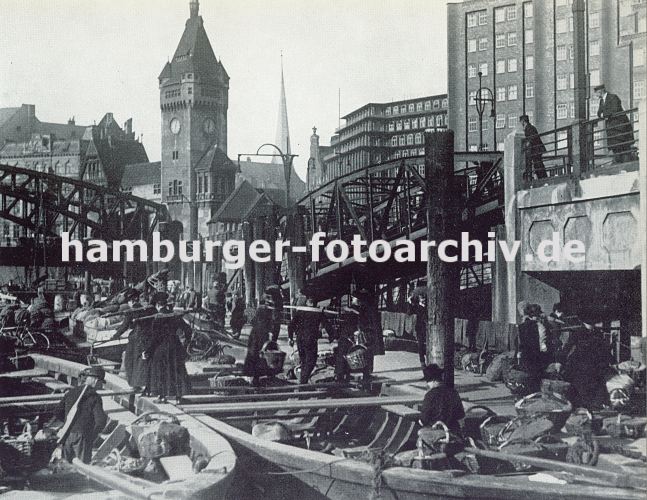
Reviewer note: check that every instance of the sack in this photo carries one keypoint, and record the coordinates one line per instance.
(582, 421)
(500, 364)
(560, 387)
(161, 439)
(624, 426)
(438, 439)
(517, 381)
(470, 362)
(271, 431)
(526, 428)
(552, 406)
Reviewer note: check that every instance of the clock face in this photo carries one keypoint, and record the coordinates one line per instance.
(209, 126)
(175, 126)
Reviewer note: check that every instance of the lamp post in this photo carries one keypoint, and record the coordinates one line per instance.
(483, 96)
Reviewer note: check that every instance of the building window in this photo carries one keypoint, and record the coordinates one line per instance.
(499, 40)
(175, 155)
(639, 57)
(594, 20)
(414, 123)
(472, 19)
(482, 44)
(436, 104)
(409, 139)
(402, 140)
(439, 121)
(419, 106)
(427, 105)
(471, 102)
(571, 108)
(500, 66)
(561, 52)
(499, 15)
(482, 18)
(407, 124)
(394, 140)
(527, 9)
(473, 148)
(387, 111)
(562, 111)
(561, 25)
(445, 103)
(484, 124)
(512, 39)
(391, 126)
(639, 89)
(500, 94)
(398, 125)
(530, 62)
(500, 121)
(571, 52)
(512, 93)
(423, 122)
(199, 183)
(472, 124)
(403, 109)
(512, 65)
(571, 79)
(512, 120)
(157, 188)
(530, 90)
(562, 82)
(511, 12)
(418, 138)
(594, 48)
(471, 71)
(170, 188)
(529, 36)
(531, 116)
(594, 77)
(396, 110)
(412, 108)
(483, 68)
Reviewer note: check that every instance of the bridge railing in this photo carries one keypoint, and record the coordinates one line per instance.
(582, 149)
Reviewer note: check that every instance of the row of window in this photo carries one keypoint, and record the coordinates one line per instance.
(172, 93)
(501, 14)
(174, 188)
(407, 140)
(405, 153)
(411, 108)
(418, 123)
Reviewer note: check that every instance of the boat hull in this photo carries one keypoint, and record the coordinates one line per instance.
(318, 475)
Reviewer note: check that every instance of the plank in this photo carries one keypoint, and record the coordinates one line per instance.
(34, 372)
(114, 440)
(238, 408)
(209, 398)
(43, 398)
(178, 467)
(287, 388)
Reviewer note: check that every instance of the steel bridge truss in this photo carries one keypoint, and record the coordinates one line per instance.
(47, 204)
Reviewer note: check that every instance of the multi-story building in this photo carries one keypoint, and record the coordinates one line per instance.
(524, 52)
(376, 133)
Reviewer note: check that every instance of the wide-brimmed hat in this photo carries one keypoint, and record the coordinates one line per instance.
(432, 372)
(94, 371)
(599, 87)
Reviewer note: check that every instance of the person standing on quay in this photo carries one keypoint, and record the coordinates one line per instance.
(620, 134)
(261, 333)
(534, 149)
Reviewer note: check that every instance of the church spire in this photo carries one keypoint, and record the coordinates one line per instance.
(194, 7)
(282, 130)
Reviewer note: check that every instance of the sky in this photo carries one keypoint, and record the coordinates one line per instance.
(83, 58)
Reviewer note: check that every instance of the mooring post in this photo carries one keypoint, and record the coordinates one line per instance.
(259, 268)
(442, 277)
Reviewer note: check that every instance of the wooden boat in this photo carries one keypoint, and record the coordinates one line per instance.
(210, 453)
(360, 468)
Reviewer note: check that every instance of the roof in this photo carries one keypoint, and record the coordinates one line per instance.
(238, 204)
(215, 159)
(6, 114)
(61, 130)
(271, 176)
(141, 174)
(194, 54)
(115, 154)
(20, 149)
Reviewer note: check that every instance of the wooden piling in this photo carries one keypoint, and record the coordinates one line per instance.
(442, 277)
(249, 276)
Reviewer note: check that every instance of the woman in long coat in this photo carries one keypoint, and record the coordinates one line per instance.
(168, 376)
(260, 334)
(237, 320)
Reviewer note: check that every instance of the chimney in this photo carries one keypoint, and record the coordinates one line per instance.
(128, 128)
(71, 121)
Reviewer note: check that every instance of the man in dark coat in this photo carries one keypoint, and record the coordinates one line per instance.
(89, 419)
(277, 299)
(237, 319)
(533, 345)
(414, 307)
(307, 326)
(370, 327)
(260, 334)
(534, 149)
(135, 366)
(441, 403)
(620, 134)
(168, 376)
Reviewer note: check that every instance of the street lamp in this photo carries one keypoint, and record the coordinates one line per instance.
(483, 96)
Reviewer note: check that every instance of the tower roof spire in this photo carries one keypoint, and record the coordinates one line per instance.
(282, 129)
(194, 7)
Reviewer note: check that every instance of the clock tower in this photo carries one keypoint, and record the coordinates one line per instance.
(196, 174)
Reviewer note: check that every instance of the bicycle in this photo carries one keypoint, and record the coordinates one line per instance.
(201, 346)
(25, 338)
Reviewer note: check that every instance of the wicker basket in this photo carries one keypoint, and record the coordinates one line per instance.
(491, 429)
(553, 406)
(357, 357)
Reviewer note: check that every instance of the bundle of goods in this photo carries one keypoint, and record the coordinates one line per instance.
(459, 351)
(624, 426)
(470, 362)
(273, 357)
(635, 370)
(100, 328)
(555, 386)
(158, 434)
(620, 388)
(357, 357)
(501, 364)
(554, 407)
(582, 421)
(517, 380)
